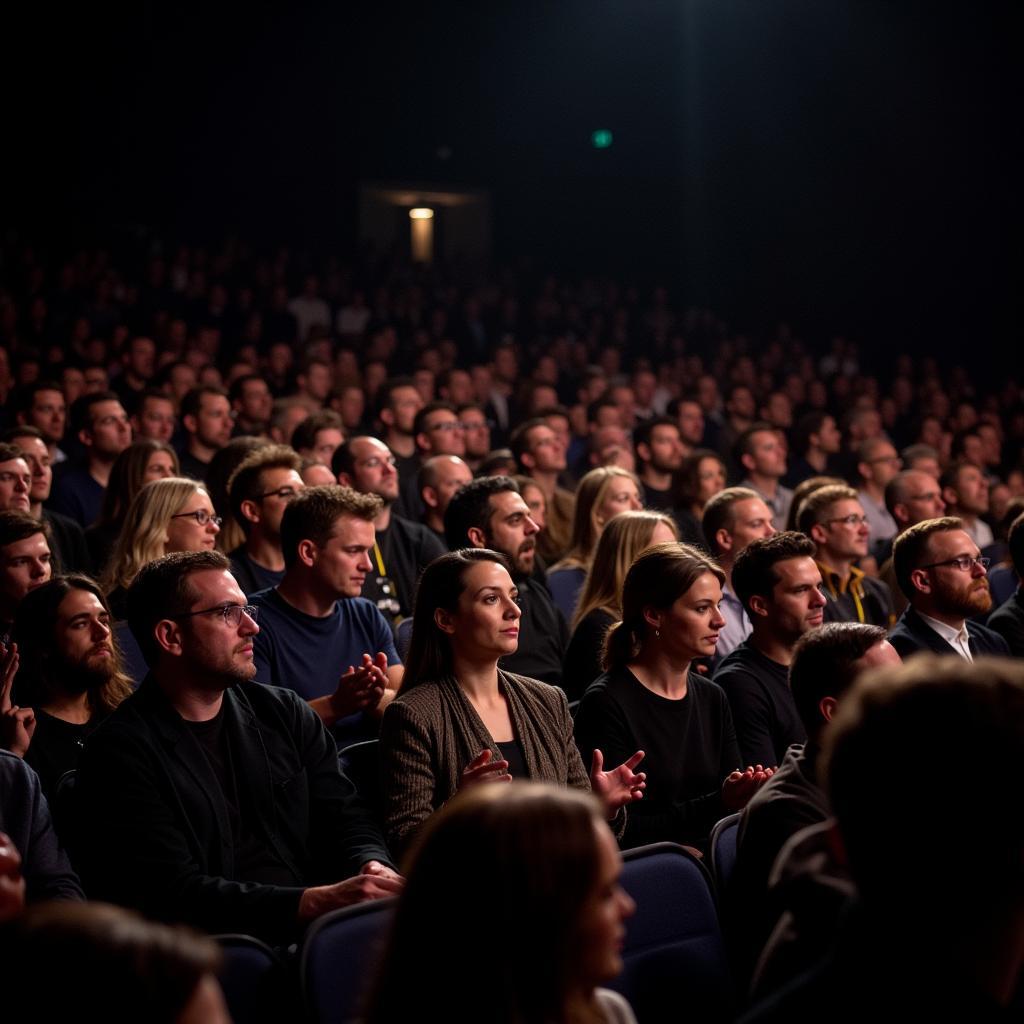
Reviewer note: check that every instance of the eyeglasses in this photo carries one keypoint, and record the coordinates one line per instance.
(231, 613)
(448, 428)
(285, 493)
(850, 520)
(964, 563)
(201, 516)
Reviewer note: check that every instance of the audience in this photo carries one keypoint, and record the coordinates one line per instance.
(25, 563)
(206, 420)
(1008, 619)
(439, 478)
(541, 457)
(761, 457)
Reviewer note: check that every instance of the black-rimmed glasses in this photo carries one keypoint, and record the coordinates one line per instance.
(201, 516)
(964, 563)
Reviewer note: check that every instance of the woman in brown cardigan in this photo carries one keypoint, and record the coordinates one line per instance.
(460, 720)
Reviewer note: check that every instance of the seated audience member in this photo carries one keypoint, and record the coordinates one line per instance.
(42, 406)
(805, 490)
(835, 520)
(316, 474)
(15, 480)
(732, 519)
(401, 549)
(206, 420)
(923, 457)
(437, 430)
(251, 405)
(761, 457)
(218, 476)
(69, 671)
(490, 513)
(210, 801)
(1008, 619)
(778, 583)
(603, 493)
(141, 462)
(477, 430)
(537, 854)
(816, 441)
(911, 496)
(937, 931)
(541, 456)
(877, 464)
(114, 966)
(625, 537)
(398, 402)
(67, 537)
(649, 698)
(153, 417)
(25, 562)
(965, 492)
(688, 414)
(700, 479)
(659, 456)
(172, 514)
(286, 415)
(259, 491)
(25, 819)
(460, 720)
(439, 478)
(318, 637)
(101, 426)
(943, 577)
(826, 661)
(538, 506)
(318, 436)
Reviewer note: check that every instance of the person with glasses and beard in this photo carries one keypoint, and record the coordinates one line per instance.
(939, 569)
(69, 671)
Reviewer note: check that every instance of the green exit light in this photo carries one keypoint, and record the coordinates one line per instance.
(601, 139)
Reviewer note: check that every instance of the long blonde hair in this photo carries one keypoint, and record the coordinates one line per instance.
(586, 530)
(623, 539)
(143, 536)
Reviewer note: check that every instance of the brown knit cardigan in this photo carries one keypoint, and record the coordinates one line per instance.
(430, 732)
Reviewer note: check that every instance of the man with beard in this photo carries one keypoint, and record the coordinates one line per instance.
(491, 513)
(940, 571)
(69, 673)
(401, 549)
(659, 453)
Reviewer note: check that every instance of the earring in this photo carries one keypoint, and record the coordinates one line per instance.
(657, 633)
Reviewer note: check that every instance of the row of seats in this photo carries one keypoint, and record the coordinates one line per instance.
(674, 956)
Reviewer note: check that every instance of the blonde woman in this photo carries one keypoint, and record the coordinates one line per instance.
(625, 537)
(175, 514)
(602, 494)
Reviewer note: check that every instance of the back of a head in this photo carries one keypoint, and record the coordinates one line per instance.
(896, 733)
(493, 862)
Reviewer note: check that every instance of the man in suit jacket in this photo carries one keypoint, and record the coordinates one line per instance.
(210, 799)
(939, 569)
(1008, 619)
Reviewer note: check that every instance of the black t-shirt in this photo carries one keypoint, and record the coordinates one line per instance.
(406, 549)
(512, 751)
(56, 747)
(689, 745)
(251, 576)
(766, 719)
(583, 657)
(543, 636)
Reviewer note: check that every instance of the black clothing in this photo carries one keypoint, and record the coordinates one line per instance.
(100, 540)
(859, 598)
(406, 549)
(155, 829)
(690, 531)
(911, 634)
(70, 551)
(56, 747)
(762, 705)
(512, 751)
(409, 504)
(543, 636)
(1008, 621)
(251, 576)
(690, 748)
(583, 657)
(192, 467)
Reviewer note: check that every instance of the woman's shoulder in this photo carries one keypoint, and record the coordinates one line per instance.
(533, 690)
(613, 1007)
(421, 698)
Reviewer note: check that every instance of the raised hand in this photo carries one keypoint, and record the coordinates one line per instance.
(740, 786)
(483, 769)
(17, 725)
(621, 785)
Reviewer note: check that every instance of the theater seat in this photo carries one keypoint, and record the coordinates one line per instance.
(254, 981)
(723, 852)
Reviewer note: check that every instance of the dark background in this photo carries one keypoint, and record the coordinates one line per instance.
(850, 166)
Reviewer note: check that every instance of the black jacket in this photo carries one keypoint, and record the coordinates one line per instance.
(911, 634)
(153, 828)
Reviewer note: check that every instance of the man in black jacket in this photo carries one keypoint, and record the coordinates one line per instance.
(939, 569)
(207, 798)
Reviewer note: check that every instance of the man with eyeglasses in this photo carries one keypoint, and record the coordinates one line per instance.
(401, 549)
(943, 576)
(834, 519)
(437, 430)
(779, 586)
(877, 463)
(208, 799)
(965, 492)
(259, 491)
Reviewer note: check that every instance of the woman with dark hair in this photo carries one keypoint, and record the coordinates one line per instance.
(531, 867)
(141, 462)
(99, 962)
(69, 671)
(222, 467)
(701, 476)
(650, 696)
(460, 720)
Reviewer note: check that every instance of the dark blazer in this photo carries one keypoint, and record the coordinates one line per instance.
(1008, 621)
(911, 634)
(154, 831)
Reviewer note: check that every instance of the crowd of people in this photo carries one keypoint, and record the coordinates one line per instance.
(255, 511)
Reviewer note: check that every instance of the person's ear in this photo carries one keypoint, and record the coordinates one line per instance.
(921, 581)
(818, 534)
(307, 552)
(652, 616)
(444, 620)
(723, 538)
(949, 496)
(477, 537)
(747, 461)
(345, 480)
(189, 422)
(251, 510)
(429, 496)
(168, 635)
(758, 605)
(85, 437)
(827, 706)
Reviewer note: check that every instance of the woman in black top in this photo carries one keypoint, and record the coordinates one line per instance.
(650, 698)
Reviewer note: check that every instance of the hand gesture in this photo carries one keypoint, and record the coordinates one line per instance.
(375, 881)
(361, 688)
(483, 769)
(17, 725)
(621, 785)
(740, 786)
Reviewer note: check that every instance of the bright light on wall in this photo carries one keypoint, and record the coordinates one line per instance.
(421, 227)
(421, 213)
